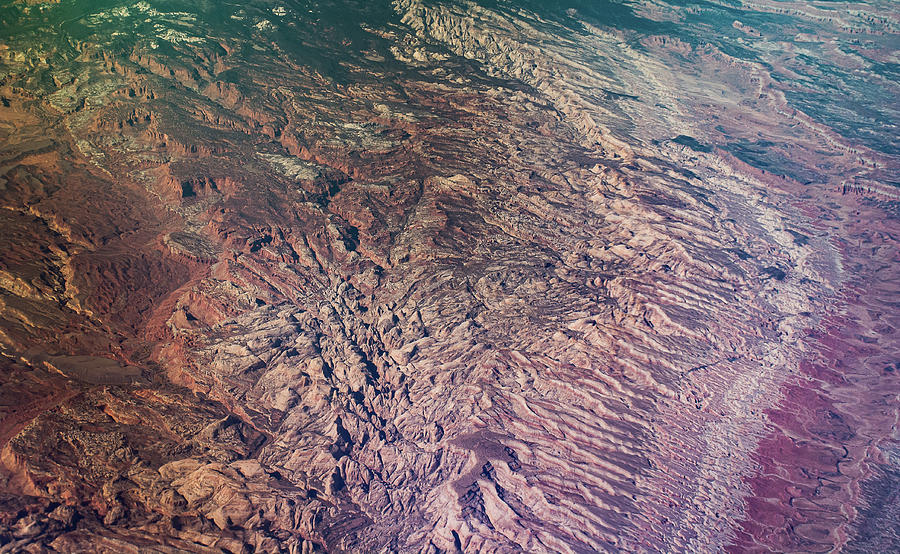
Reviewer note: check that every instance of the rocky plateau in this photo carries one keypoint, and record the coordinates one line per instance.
(449, 276)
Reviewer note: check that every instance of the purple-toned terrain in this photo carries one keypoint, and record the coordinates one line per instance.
(449, 276)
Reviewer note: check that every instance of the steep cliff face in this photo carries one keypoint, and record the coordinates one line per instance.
(434, 277)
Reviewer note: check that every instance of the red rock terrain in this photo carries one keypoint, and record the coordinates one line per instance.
(435, 278)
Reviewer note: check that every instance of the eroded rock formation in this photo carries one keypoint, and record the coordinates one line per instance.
(440, 277)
